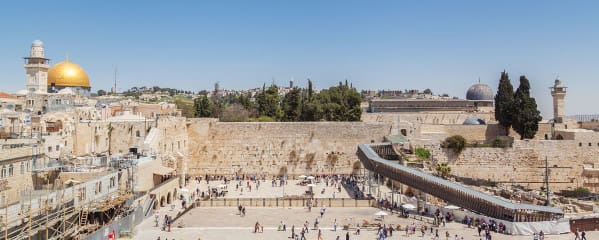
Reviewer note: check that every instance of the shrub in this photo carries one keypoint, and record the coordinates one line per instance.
(423, 153)
(500, 142)
(581, 191)
(456, 142)
(443, 170)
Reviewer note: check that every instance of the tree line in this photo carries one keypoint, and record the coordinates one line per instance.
(337, 103)
(517, 109)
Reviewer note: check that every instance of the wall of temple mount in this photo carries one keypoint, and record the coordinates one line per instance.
(524, 163)
(275, 147)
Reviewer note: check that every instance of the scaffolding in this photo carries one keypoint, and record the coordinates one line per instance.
(55, 214)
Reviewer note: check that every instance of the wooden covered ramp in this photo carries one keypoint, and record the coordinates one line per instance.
(382, 159)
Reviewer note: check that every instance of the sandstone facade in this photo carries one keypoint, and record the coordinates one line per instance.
(278, 147)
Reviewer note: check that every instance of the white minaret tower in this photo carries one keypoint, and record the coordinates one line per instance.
(558, 92)
(36, 67)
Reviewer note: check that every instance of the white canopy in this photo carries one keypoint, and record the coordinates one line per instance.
(381, 213)
(409, 206)
(452, 207)
(310, 177)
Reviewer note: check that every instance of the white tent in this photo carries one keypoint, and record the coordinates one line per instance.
(452, 207)
(409, 206)
(381, 213)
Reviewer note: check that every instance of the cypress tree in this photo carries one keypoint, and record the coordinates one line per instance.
(526, 115)
(504, 101)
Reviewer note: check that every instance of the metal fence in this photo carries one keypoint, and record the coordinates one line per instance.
(279, 202)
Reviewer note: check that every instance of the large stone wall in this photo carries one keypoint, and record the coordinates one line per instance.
(524, 163)
(277, 147)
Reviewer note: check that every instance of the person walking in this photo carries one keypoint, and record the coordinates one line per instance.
(584, 235)
(335, 225)
(320, 234)
(347, 235)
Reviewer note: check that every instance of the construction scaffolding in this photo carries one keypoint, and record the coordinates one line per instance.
(66, 210)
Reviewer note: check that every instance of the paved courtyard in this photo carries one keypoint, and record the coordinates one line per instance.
(222, 223)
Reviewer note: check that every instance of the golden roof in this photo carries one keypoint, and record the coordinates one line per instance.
(68, 74)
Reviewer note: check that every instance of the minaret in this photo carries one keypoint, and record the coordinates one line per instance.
(36, 67)
(558, 92)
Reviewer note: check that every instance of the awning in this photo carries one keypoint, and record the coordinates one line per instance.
(162, 170)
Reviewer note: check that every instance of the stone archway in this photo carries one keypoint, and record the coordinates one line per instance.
(169, 198)
(162, 201)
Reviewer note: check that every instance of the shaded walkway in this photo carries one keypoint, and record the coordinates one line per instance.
(381, 158)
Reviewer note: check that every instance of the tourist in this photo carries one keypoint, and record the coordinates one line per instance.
(541, 235)
(584, 235)
(335, 225)
(243, 211)
(576, 235)
(256, 226)
(446, 235)
(358, 229)
(320, 235)
(347, 236)
(293, 231)
(535, 236)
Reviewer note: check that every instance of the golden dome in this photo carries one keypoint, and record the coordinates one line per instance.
(68, 74)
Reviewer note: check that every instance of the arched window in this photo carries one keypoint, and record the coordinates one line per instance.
(22, 167)
(11, 169)
(3, 174)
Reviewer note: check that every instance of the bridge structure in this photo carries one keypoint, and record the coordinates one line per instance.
(382, 158)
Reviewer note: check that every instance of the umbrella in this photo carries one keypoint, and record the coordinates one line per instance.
(184, 190)
(381, 213)
(311, 185)
(302, 176)
(452, 207)
(409, 206)
(310, 177)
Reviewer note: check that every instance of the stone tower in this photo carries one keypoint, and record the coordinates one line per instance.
(36, 67)
(558, 92)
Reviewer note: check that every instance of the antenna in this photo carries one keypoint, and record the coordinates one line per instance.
(115, 71)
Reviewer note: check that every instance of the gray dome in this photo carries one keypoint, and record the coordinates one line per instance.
(479, 91)
(474, 121)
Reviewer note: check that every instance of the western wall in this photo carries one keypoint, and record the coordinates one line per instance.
(272, 148)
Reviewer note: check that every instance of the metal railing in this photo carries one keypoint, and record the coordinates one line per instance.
(282, 202)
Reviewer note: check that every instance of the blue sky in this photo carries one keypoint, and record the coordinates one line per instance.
(442, 45)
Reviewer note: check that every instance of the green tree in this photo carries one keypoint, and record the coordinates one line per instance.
(292, 105)
(269, 102)
(504, 102)
(187, 108)
(203, 107)
(101, 92)
(526, 115)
